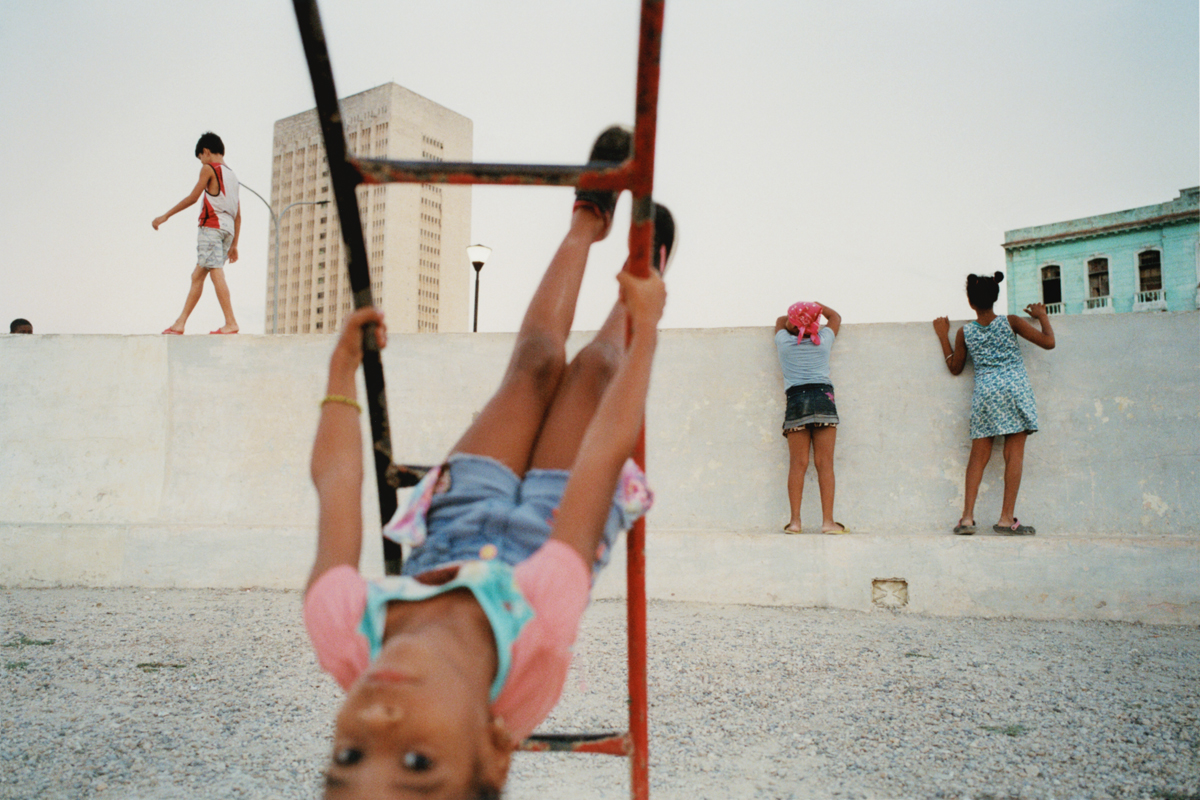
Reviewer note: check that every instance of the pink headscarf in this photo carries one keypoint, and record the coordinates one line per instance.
(806, 317)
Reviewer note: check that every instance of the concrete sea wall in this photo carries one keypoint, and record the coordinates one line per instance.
(182, 461)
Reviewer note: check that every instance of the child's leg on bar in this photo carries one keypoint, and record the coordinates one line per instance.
(579, 394)
(508, 426)
(589, 373)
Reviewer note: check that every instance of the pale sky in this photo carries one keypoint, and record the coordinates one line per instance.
(863, 153)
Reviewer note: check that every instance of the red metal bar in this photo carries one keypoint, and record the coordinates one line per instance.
(641, 242)
(380, 170)
(609, 744)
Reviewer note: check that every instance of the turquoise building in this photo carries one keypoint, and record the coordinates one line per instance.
(1143, 259)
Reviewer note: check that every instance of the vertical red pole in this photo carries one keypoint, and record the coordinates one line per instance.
(641, 242)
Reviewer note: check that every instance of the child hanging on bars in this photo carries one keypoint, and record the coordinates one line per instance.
(448, 667)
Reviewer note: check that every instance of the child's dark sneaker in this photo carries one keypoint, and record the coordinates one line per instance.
(613, 146)
(665, 239)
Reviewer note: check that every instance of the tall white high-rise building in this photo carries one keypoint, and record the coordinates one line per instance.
(416, 234)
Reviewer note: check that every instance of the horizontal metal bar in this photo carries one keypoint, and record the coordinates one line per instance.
(608, 744)
(589, 176)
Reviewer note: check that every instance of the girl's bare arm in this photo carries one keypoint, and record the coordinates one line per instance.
(833, 318)
(1043, 338)
(956, 356)
(614, 428)
(337, 459)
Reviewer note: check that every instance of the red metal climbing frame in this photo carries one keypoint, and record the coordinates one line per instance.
(637, 175)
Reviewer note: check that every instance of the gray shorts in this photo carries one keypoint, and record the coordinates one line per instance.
(212, 247)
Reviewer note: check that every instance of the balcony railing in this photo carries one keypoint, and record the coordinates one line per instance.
(1054, 308)
(1152, 300)
(1098, 305)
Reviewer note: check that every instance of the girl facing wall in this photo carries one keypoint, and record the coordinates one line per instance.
(1002, 403)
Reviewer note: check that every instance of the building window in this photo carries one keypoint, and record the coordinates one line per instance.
(1098, 277)
(1149, 271)
(1051, 284)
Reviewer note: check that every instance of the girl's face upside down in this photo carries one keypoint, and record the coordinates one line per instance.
(414, 725)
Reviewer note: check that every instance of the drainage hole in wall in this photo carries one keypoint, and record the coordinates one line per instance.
(889, 592)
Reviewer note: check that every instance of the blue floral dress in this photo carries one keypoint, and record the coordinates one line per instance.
(1003, 400)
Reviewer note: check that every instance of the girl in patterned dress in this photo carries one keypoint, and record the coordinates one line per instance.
(1002, 404)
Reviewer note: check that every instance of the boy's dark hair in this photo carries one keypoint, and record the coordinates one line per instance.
(18, 322)
(982, 290)
(211, 142)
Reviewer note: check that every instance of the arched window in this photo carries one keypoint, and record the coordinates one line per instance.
(1149, 271)
(1098, 277)
(1051, 284)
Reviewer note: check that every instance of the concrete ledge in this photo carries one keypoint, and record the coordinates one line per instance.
(1152, 580)
(1148, 579)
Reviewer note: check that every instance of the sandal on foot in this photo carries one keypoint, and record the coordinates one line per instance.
(1016, 529)
(172, 332)
(612, 147)
(786, 529)
(836, 531)
(964, 530)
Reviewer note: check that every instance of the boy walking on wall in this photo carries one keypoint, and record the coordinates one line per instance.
(220, 225)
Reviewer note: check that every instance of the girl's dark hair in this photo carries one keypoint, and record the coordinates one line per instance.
(982, 290)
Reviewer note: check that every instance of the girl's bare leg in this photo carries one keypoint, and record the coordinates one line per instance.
(798, 442)
(579, 394)
(824, 438)
(1014, 464)
(589, 373)
(981, 451)
(508, 426)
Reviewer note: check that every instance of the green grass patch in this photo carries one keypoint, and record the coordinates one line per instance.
(915, 654)
(158, 666)
(1007, 730)
(24, 641)
(16, 664)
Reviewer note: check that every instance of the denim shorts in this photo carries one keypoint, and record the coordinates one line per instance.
(809, 405)
(489, 512)
(212, 247)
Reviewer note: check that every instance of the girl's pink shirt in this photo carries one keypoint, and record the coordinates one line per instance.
(555, 583)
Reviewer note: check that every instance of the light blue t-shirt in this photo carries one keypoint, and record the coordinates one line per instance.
(804, 362)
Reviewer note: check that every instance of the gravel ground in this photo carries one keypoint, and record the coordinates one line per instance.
(214, 694)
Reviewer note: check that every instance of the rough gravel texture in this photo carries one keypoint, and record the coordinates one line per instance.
(214, 694)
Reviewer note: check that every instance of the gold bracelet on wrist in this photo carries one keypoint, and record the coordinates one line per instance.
(346, 401)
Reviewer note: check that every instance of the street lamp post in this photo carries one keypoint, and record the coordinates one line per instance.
(478, 253)
(276, 220)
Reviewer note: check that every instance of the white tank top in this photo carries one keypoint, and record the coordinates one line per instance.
(218, 210)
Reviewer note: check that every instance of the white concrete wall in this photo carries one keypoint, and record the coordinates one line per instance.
(182, 461)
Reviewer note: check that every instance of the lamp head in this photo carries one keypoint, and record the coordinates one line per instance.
(478, 254)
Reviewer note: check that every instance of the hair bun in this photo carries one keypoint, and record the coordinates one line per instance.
(999, 276)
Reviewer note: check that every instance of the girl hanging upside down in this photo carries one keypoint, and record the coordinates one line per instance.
(448, 667)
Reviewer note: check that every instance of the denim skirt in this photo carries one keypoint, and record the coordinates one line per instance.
(809, 405)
